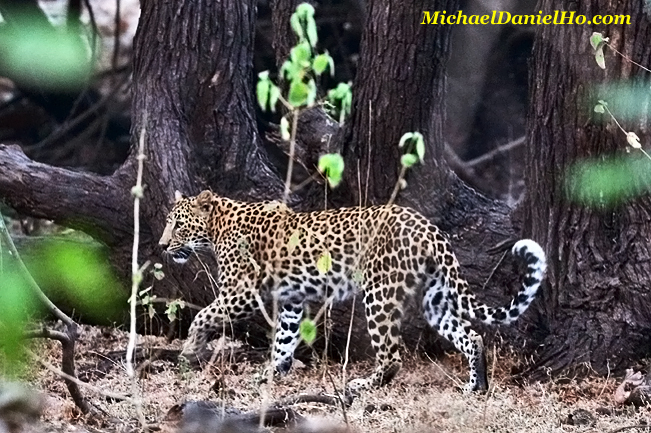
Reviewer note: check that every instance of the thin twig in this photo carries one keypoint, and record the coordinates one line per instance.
(292, 150)
(489, 156)
(66, 376)
(630, 427)
(116, 37)
(136, 274)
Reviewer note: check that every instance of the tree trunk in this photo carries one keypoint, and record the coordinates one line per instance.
(596, 307)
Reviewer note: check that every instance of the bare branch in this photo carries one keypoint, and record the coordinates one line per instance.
(96, 204)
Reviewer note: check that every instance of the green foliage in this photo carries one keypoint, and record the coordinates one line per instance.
(38, 55)
(81, 278)
(323, 61)
(300, 69)
(601, 107)
(627, 99)
(608, 182)
(158, 271)
(17, 304)
(298, 93)
(267, 92)
(597, 41)
(173, 308)
(414, 143)
(332, 166)
(146, 300)
(341, 97)
(307, 330)
(303, 24)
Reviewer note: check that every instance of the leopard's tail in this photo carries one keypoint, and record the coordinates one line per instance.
(533, 255)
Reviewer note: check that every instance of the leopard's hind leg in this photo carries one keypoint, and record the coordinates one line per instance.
(441, 310)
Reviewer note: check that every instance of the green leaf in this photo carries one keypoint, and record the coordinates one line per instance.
(332, 166)
(405, 137)
(599, 109)
(408, 159)
(298, 93)
(137, 191)
(284, 129)
(301, 55)
(305, 10)
(599, 57)
(263, 88)
(420, 145)
(43, 56)
(324, 263)
(17, 304)
(274, 95)
(609, 182)
(173, 308)
(312, 36)
(295, 22)
(79, 278)
(320, 63)
(596, 40)
(307, 330)
(311, 96)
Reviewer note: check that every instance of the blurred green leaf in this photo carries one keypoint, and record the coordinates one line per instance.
(627, 100)
(284, 129)
(17, 304)
(304, 18)
(320, 63)
(37, 54)
(307, 330)
(274, 95)
(332, 166)
(301, 55)
(599, 57)
(596, 40)
(262, 89)
(298, 93)
(609, 182)
(81, 280)
(408, 159)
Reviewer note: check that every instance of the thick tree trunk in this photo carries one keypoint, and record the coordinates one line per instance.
(596, 306)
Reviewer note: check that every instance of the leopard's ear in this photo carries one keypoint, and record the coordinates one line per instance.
(204, 202)
(178, 196)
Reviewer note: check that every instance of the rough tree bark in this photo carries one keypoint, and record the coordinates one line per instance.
(596, 307)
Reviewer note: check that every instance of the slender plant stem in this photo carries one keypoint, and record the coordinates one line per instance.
(136, 276)
(292, 148)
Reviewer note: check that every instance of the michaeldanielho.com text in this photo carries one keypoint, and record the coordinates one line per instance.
(504, 17)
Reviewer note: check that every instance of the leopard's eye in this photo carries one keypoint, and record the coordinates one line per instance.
(179, 224)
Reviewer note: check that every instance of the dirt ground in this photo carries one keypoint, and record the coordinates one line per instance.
(424, 397)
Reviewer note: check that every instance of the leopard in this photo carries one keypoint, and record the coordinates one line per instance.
(389, 254)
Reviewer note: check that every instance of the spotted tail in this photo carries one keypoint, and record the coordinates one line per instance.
(533, 255)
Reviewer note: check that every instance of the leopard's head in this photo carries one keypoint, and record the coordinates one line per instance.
(187, 226)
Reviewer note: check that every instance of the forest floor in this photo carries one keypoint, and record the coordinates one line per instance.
(424, 397)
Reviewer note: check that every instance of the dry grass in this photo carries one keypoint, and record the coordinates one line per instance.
(423, 397)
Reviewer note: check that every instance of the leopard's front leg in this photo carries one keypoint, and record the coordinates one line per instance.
(211, 320)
